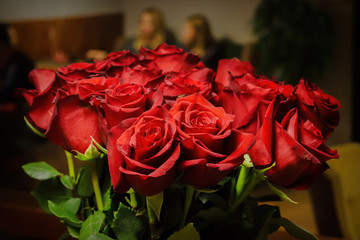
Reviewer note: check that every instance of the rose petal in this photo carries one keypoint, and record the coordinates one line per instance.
(74, 123)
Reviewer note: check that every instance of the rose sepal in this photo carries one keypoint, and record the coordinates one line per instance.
(261, 175)
(91, 153)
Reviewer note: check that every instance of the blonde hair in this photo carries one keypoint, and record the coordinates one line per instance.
(202, 28)
(160, 30)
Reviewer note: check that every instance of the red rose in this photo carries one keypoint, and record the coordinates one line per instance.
(123, 102)
(144, 155)
(115, 62)
(170, 58)
(210, 147)
(63, 117)
(74, 124)
(248, 96)
(320, 108)
(89, 88)
(76, 71)
(140, 75)
(41, 99)
(123, 58)
(180, 84)
(294, 144)
(229, 68)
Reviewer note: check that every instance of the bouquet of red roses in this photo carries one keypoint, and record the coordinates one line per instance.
(171, 149)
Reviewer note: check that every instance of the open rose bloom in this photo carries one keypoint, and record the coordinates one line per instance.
(169, 144)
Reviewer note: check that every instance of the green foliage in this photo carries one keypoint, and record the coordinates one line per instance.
(293, 229)
(127, 225)
(211, 211)
(188, 232)
(37, 132)
(40, 170)
(66, 211)
(92, 225)
(280, 193)
(84, 183)
(107, 200)
(91, 153)
(99, 236)
(67, 182)
(295, 39)
(156, 202)
(214, 199)
(213, 215)
(53, 190)
(74, 231)
(262, 220)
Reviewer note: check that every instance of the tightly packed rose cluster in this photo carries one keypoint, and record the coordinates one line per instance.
(162, 115)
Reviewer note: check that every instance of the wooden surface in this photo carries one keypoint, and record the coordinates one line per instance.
(76, 35)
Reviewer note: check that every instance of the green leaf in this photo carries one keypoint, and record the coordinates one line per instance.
(40, 170)
(295, 230)
(84, 183)
(37, 132)
(53, 190)
(91, 153)
(126, 225)
(67, 182)
(99, 236)
(215, 199)
(208, 190)
(73, 231)
(156, 202)
(262, 215)
(188, 232)
(107, 200)
(66, 211)
(213, 215)
(280, 193)
(92, 225)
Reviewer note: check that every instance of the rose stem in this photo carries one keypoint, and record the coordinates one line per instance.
(240, 184)
(96, 187)
(189, 193)
(250, 184)
(70, 162)
(152, 218)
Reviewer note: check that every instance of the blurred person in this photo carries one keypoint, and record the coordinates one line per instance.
(14, 67)
(197, 38)
(16, 137)
(152, 31)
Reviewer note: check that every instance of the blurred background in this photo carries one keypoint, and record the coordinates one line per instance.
(314, 39)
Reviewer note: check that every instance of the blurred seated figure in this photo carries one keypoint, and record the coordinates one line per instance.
(14, 67)
(16, 137)
(152, 31)
(197, 38)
